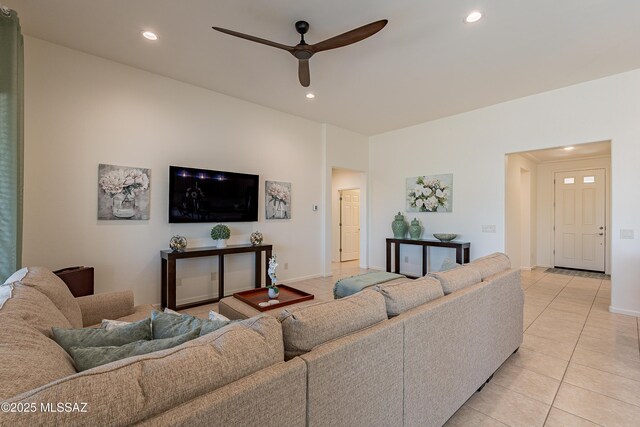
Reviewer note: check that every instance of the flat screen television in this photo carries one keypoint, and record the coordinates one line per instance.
(201, 195)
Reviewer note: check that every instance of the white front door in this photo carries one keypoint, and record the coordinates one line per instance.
(349, 225)
(580, 219)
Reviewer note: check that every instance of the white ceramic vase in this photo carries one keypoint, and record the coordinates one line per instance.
(222, 243)
(273, 292)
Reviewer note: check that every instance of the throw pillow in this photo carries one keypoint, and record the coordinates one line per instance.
(165, 325)
(217, 316)
(90, 357)
(98, 337)
(112, 324)
(449, 264)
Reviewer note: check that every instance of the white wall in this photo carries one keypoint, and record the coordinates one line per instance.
(81, 110)
(472, 147)
(546, 172)
(521, 212)
(342, 179)
(344, 149)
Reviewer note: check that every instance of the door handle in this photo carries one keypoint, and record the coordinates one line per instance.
(600, 234)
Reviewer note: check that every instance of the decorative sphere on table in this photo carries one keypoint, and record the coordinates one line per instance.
(256, 238)
(399, 226)
(178, 243)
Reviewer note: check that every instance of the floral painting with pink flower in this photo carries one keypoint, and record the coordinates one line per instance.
(123, 192)
(277, 200)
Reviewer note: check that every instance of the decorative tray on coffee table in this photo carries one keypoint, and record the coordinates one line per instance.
(287, 296)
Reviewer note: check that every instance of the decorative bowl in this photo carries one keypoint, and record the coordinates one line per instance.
(445, 237)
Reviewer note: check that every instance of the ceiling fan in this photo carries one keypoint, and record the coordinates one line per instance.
(303, 51)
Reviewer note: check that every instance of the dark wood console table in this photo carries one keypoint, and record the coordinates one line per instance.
(169, 258)
(462, 251)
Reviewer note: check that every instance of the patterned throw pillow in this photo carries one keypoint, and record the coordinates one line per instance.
(98, 337)
(90, 357)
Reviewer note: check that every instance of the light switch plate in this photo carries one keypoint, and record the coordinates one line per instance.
(626, 234)
(488, 228)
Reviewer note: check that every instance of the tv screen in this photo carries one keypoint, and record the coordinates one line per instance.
(200, 195)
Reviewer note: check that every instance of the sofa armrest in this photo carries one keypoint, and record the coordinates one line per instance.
(111, 305)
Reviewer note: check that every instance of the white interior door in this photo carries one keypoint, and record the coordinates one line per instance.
(580, 219)
(349, 225)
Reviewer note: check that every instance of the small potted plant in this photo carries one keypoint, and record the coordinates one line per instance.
(273, 289)
(221, 233)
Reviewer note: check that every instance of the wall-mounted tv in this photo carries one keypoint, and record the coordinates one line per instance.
(200, 195)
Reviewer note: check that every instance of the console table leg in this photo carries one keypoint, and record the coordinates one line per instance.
(466, 255)
(396, 256)
(163, 287)
(171, 284)
(424, 260)
(388, 256)
(220, 276)
(256, 280)
(459, 258)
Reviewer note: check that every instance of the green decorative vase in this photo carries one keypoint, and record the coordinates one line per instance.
(415, 230)
(399, 226)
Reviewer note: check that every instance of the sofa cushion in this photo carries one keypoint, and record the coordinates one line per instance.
(29, 358)
(98, 337)
(492, 264)
(35, 309)
(90, 357)
(133, 389)
(457, 278)
(400, 297)
(307, 326)
(45, 281)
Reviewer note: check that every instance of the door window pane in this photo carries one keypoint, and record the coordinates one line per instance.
(569, 180)
(589, 179)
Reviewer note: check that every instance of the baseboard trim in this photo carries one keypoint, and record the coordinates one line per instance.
(634, 313)
(527, 268)
(375, 267)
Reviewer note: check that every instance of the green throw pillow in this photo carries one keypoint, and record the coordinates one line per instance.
(168, 325)
(98, 337)
(90, 357)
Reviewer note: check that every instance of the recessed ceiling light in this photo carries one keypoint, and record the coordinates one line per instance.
(149, 35)
(473, 17)
(569, 148)
(310, 95)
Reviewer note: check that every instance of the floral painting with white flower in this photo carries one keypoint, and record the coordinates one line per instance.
(123, 192)
(430, 193)
(277, 200)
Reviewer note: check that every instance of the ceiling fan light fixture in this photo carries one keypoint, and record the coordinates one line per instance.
(150, 35)
(310, 95)
(474, 16)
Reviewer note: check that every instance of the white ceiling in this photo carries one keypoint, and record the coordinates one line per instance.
(424, 65)
(581, 151)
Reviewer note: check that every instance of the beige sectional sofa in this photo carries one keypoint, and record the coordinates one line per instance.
(347, 363)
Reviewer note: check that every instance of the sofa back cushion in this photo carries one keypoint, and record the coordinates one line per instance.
(457, 278)
(307, 326)
(29, 358)
(35, 309)
(45, 281)
(492, 264)
(130, 390)
(403, 296)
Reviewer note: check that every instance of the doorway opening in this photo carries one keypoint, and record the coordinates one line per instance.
(557, 207)
(347, 219)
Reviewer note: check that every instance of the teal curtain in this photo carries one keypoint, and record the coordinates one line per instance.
(11, 142)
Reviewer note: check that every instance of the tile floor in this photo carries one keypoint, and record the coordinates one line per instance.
(579, 365)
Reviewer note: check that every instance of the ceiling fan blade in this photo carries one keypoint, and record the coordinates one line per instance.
(303, 72)
(350, 37)
(254, 39)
